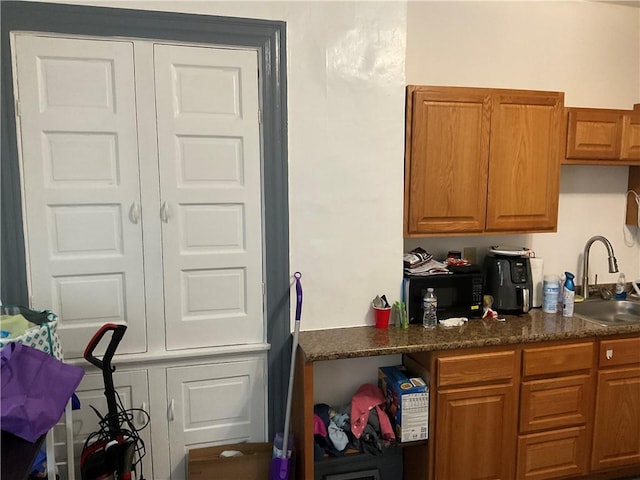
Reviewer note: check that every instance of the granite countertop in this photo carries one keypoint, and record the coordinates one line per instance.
(534, 326)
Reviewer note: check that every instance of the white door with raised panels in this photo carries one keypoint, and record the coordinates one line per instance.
(210, 186)
(81, 186)
(214, 404)
(189, 262)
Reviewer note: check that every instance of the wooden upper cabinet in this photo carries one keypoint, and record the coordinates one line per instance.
(524, 161)
(599, 136)
(481, 160)
(631, 134)
(447, 150)
(594, 133)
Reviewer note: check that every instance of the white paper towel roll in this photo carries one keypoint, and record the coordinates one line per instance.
(537, 275)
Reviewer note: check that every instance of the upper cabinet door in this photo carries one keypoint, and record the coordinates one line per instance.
(631, 134)
(524, 163)
(81, 187)
(594, 134)
(210, 190)
(447, 150)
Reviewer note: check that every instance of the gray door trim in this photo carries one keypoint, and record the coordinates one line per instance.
(269, 39)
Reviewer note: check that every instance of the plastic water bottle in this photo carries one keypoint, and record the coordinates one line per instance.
(621, 287)
(429, 309)
(568, 295)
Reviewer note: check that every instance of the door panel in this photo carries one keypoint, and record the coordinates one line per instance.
(481, 424)
(447, 160)
(214, 404)
(210, 187)
(81, 186)
(524, 164)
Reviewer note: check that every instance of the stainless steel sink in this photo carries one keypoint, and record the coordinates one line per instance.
(609, 312)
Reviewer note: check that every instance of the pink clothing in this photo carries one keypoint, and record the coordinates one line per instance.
(367, 397)
(318, 426)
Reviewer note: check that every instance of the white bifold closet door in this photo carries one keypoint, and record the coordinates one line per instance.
(190, 262)
(209, 157)
(81, 186)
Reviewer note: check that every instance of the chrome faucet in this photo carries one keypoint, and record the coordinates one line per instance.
(613, 263)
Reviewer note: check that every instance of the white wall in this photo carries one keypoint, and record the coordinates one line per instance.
(590, 51)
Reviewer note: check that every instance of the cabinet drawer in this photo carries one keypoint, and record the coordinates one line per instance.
(624, 351)
(480, 368)
(557, 359)
(552, 454)
(556, 402)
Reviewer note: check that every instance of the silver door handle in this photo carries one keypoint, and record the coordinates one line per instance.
(142, 416)
(172, 416)
(164, 212)
(134, 212)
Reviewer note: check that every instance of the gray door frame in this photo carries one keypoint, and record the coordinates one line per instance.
(268, 37)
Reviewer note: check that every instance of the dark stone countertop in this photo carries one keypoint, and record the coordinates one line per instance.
(535, 326)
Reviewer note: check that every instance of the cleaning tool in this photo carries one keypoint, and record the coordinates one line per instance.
(116, 450)
(281, 463)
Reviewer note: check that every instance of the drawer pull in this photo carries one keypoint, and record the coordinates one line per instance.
(609, 354)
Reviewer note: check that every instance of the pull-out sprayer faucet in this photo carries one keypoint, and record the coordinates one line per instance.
(613, 263)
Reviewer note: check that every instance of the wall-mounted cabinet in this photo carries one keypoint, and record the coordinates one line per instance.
(594, 134)
(481, 160)
(598, 136)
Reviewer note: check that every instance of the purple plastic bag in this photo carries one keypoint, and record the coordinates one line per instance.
(35, 390)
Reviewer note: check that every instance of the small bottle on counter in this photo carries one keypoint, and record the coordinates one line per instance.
(621, 287)
(568, 295)
(550, 289)
(429, 309)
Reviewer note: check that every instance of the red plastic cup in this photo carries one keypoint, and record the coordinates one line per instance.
(382, 316)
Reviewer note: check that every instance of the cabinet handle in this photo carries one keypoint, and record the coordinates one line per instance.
(171, 411)
(134, 212)
(609, 354)
(142, 418)
(164, 212)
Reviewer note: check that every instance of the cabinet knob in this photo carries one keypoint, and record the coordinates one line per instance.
(609, 354)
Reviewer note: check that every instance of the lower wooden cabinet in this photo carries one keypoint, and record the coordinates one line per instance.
(476, 414)
(475, 431)
(540, 411)
(616, 434)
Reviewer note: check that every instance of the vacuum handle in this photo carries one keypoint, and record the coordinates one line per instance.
(118, 333)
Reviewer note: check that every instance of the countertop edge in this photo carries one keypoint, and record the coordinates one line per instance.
(368, 341)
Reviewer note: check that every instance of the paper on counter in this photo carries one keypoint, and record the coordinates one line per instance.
(454, 322)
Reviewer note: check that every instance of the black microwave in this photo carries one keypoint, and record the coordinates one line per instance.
(459, 294)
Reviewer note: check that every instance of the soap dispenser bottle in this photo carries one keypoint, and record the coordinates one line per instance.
(568, 295)
(621, 287)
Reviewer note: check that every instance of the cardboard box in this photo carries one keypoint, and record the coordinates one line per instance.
(253, 464)
(407, 402)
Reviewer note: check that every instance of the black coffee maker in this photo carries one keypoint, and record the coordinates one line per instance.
(507, 278)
